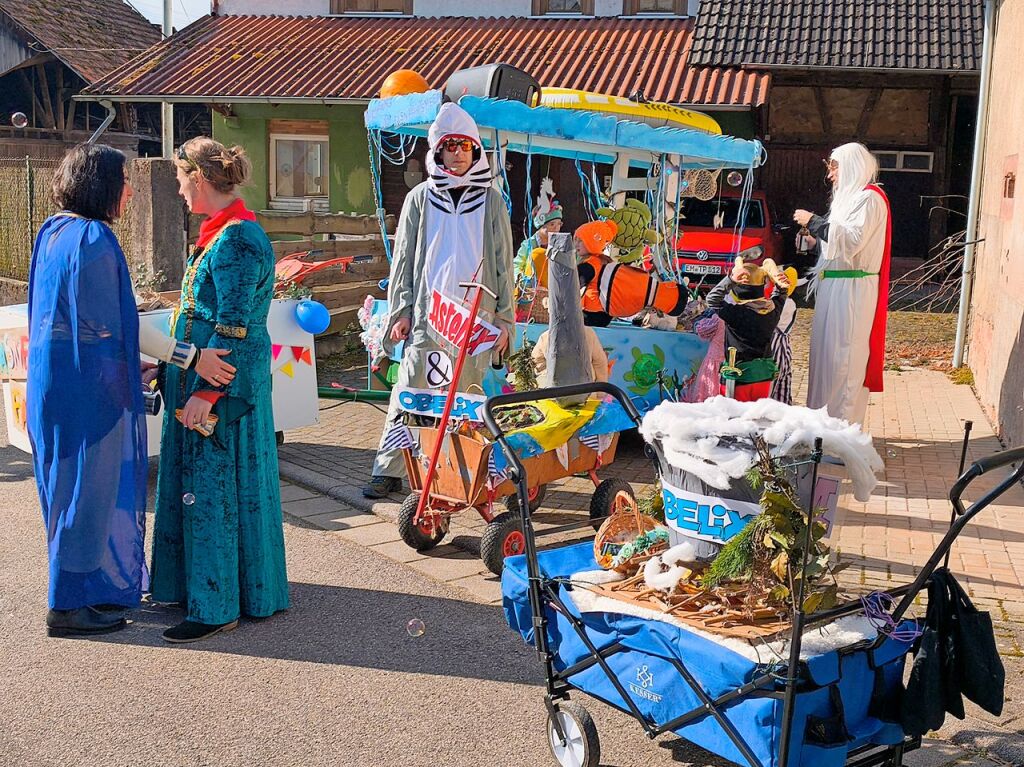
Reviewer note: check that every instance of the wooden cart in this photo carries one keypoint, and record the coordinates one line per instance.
(461, 483)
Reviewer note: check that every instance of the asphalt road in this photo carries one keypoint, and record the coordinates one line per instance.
(336, 680)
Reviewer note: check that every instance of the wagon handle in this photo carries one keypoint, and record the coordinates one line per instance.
(962, 517)
(979, 467)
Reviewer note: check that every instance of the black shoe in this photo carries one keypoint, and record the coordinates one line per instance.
(191, 631)
(381, 487)
(83, 621)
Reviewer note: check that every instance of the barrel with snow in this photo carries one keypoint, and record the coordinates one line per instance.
(706, 449)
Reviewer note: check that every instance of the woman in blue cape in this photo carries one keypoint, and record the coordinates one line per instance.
(86, 418)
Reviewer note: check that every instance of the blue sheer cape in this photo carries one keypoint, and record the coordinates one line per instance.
(85, 414)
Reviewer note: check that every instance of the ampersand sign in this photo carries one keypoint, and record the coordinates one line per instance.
(439, 369)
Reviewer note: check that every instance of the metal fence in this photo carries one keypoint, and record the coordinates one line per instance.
(25, 203)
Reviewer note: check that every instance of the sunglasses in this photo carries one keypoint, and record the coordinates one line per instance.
(454, 144)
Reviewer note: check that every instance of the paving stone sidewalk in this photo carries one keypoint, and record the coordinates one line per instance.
(918, 429)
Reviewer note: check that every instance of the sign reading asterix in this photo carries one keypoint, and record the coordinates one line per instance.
(450, 319)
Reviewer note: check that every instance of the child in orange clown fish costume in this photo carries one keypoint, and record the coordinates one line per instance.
(614, 290)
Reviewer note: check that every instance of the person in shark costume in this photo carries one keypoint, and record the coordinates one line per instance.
(454, 228)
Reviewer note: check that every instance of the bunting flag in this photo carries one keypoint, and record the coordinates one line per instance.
(302, 354)
(275, 350)
(288, 369)
(597, 442)
(399, 438)
(493, 472)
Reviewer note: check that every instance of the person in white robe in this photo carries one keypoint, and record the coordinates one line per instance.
(850, 285)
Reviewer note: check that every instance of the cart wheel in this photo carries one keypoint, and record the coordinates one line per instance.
(607, 499)
(279, 437)
(536, 496)
(582, 747)
(425, 535)
(503, 537)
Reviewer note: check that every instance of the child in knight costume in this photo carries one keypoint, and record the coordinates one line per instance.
(454, 228)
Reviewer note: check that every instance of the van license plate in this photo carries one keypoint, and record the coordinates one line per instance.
(702, 268)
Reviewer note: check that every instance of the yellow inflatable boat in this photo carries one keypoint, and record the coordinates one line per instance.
(653, 113)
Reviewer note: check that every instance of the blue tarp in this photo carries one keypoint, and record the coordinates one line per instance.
(661, 693)
(576, 134)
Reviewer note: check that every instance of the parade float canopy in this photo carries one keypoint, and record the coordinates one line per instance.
(573, 134)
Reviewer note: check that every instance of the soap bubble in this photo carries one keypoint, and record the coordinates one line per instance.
(891, 453)
(188, 499)
(734, 179)
(415, 628)
(19, 120)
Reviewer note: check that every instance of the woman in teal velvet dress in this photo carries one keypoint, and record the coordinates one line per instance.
(218, 541)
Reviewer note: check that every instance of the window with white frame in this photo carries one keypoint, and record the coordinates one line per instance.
(904, 162)
(299, 171)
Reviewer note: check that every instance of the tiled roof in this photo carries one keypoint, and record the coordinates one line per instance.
(921, 35)
(93, 37)
(337, 58)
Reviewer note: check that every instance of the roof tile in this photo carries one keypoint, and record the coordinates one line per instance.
(923, 35)
(93, 37)
(348, 58)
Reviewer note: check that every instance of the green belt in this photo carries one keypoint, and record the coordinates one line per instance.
(850, 274)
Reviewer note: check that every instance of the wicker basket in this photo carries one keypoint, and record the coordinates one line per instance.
(539, 308)
(622, 527)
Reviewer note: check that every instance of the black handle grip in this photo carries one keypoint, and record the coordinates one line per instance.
(981, 466)
(556, 392)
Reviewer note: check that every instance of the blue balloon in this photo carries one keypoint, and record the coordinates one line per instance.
(312, 316)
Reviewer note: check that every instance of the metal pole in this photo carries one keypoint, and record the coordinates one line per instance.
(789, 697)
(975, 194)
(167, 108)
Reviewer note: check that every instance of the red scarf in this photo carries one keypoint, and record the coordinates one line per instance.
(876, 343)
(209, 228)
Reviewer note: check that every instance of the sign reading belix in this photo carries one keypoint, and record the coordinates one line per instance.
(431, 403)
(705, 517)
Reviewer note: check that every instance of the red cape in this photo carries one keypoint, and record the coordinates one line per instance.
(876, 358)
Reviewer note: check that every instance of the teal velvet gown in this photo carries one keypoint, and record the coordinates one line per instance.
(218, 539)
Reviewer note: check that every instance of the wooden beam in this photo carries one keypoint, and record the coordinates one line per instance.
(37, 107)
(320, 223)
(826, 122)
(44, 94)
(69, 123)
(59, 124)
(869, 110)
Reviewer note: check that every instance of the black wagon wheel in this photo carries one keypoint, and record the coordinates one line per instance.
(424, 535)
(610, 496)
(503, 537)
(580, 747)
(535, 494)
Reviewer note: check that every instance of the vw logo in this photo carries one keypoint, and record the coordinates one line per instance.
(702, 255)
